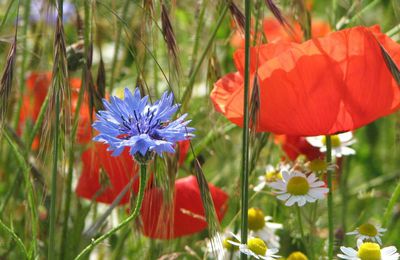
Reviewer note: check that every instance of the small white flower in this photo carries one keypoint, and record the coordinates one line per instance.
(319, 166)
(368, 231)
(339, 142)
(271, 174)
(256, 248)
(224, 250)
(260, 226)
(369, 251)
(296, 187)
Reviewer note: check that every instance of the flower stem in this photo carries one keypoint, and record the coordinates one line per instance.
(245, 148)
(303, 238)
(300, 223)
(392, 202)
(330, 197)
(53, 199)
(188, 91)
(134, 214)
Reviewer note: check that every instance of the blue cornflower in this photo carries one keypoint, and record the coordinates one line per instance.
(143, 127)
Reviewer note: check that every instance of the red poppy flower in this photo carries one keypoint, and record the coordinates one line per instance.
(37, 85)
(323, 86)
(274, 32)
(103, 176)
(293, 146)
(188, 212)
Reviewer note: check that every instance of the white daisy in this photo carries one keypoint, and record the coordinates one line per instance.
(369, 232)
(296, 187)
(339, 143)
(260, 226)
(271, 174)
(319, 166)
(225, 249)
(369, 251)
(256, 248)
(297, 256)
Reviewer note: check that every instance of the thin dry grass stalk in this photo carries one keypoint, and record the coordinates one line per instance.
(238, 15)
(254, 104)
(209, 209)
(149, 7)
(304, 17)
(101, 80)
(60, 87)
(168, 33)
(391, 65)
(279, 16)
(6, 80)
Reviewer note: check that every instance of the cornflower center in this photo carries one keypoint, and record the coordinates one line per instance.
(335, 140)
(256, 219)
(369, 251)
(272, 176)
(297, 256)
(257, 246)
(318, 165)
(138, 124)
(298, 186)
(228, 245)
(368, 230)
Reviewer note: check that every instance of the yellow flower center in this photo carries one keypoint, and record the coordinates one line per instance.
(317, 165)
(335, 140)
(257, 246)
(297, 256)
(228, 245)
(256, 219)
(369, 251)
(298, 186)
(272, 176)
(367, 230)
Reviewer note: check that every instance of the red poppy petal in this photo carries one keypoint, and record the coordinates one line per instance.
(327, 85)
(118, 170)
(188, 215)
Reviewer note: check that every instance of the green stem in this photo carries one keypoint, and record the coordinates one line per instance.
(245, 148)
(117, 45)
(23, 61)
(39, 121)
(68, 188)
(303, 237)
(53, 200)
(334, 8)
(330, 198)
(188, 92)
(30, 191)
(197, 37)
(300, 223)
(392, 202)
(16, 238)
(134, 214)
(365, 9)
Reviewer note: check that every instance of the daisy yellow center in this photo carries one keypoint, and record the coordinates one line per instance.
(335, 140)
(297, 256)
(272, 176)
(257, 246)
(369, 251)
(298, 186)
(318, 165)
(368, 230)
(256, 219)
(228, 245)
